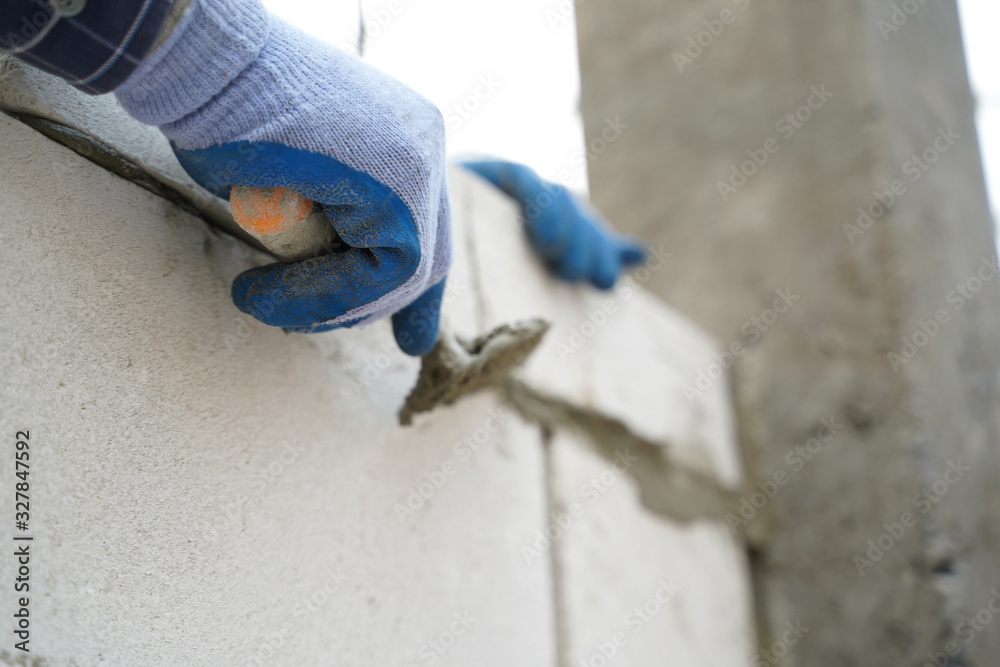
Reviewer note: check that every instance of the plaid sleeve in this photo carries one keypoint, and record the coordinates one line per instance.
(94, 45)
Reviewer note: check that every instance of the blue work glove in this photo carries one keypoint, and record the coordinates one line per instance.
(566, 232)
(246, 99)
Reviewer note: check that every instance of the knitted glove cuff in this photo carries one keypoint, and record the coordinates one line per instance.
(209, 47)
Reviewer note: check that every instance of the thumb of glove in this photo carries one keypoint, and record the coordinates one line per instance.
(416, 325)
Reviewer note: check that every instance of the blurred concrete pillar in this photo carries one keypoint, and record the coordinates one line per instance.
(813, 168)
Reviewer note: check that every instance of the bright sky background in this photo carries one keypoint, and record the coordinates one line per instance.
(446, 49)
(520, 57)
(980, 22)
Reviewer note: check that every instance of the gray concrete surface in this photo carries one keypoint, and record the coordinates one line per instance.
(206, 490)
(868, 98)
(210, 491)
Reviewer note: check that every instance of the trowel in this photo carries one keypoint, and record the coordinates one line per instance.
(293, 227)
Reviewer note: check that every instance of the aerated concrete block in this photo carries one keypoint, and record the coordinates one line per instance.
(206, 490)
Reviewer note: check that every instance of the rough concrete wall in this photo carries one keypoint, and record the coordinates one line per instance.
(700, 92)
(206, 490)
(633, 584)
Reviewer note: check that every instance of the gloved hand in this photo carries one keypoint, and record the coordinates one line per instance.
(246, 99)
(566, 232)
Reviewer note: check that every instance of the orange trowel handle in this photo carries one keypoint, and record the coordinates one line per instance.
(291, 226)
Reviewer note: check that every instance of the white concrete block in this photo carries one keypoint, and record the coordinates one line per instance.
(496, 238)
(206, 490)
(622, 353)
(638, 589)
(200, 476)
(27, 90)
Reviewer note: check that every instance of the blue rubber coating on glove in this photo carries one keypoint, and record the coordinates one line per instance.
(247, 99)
(568, 235)
(416, 325)
(368, 215)
(320, 328)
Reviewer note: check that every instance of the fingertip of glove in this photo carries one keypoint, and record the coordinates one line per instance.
(603, 283)
(412, 342)
(251, 296)
(481, 167)
(632, 252)
(416, 326)
(491, 170)
(517, 180)
(547, 238)
(604, 278)
(572, 270)
(242, 291)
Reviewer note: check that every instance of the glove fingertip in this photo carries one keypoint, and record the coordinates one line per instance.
(415, 343)
(602, 282)
(415, 327)
(572, 266)
(252, 297)
(632, 252)
(604, 276)
(517, 180)
(243, 292)
(491, 170)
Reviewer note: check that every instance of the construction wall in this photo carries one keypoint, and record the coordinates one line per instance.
(205, 490)
(814, 169)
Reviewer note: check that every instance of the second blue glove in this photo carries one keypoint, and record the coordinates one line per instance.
(567, 233)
